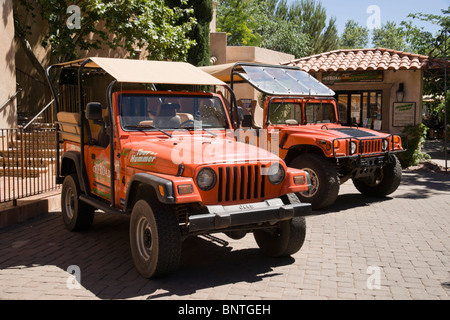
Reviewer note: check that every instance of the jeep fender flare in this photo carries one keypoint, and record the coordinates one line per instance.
(157, 183)
(70, 163)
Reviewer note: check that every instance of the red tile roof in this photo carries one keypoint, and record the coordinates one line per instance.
(361, 60)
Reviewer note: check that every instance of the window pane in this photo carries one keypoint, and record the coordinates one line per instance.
(355, 114)
(343, 107)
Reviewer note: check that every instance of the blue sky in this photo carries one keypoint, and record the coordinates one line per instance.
(390, 10)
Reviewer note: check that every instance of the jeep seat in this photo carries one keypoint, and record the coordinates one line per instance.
(167, 117)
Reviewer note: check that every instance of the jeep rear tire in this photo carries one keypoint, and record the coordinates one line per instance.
(77, 215)
(287, 238)
(325, 182)
(386, 180)
(155, 239)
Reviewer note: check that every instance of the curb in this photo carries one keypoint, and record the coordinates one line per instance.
(29, 208)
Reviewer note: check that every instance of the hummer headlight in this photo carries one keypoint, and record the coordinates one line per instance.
(385, 145)
(276, 173)
(206, 179)
(353, 147)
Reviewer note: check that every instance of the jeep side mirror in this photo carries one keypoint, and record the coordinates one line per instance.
(94, 111)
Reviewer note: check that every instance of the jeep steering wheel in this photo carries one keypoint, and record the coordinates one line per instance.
(185, 122)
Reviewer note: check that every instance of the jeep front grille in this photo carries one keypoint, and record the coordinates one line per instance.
(241, 182)
(371, 146)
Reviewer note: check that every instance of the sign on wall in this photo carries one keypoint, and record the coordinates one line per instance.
(330, 78)
(404, 114)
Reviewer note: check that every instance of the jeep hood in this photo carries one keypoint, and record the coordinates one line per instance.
(164, 155)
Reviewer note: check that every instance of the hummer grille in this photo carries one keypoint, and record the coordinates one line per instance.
(371, 146)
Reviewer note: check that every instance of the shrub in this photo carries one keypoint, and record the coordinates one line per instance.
(416, 137)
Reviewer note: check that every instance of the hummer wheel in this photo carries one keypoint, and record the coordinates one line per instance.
(286, 239)
(325, 182)
(155, 239)
(77, 215)
(385, 181)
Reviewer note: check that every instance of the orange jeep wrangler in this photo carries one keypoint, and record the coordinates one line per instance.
(170, 160)
(300, 114)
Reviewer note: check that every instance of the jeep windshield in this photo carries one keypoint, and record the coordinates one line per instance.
(320, 113)
(154, 112)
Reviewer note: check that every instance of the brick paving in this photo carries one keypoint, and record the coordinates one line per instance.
(402, 241)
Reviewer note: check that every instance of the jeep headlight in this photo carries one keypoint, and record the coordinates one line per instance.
(353, 147)
(276, 173)
(206, 179)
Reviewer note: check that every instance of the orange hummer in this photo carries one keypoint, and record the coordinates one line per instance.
(299, 115)
(167, 157)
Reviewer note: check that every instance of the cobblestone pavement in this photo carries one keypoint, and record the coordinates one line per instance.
(362, 248)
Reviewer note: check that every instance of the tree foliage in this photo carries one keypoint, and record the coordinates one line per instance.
(133, 25)
(199, 53)
(300, 28)
(311, 16)
(354, 36)
(390, 36)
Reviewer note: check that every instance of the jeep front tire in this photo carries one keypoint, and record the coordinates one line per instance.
(286, 238)
(155, 239)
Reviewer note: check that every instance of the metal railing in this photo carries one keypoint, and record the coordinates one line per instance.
(27, 162)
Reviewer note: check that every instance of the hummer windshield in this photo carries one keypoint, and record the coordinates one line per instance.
(285, 113)
(151, 112)
(320, 113)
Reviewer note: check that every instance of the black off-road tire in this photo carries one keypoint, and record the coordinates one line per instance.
(286, 239)
(155, 239)
(325, 183)
(388, 181)
(77, 215)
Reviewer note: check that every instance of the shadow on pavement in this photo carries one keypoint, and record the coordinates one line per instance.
(104, 258)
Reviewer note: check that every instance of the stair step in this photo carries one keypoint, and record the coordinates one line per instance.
(28, 153)
(26, 173)
(30, 162)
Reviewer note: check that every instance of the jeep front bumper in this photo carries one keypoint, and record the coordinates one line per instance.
(223, 217)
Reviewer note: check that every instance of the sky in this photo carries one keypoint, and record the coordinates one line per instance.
(386, 10)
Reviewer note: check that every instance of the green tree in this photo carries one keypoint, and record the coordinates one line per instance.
(199, 54)
(390, 36)
(355, 36)
(300, 28)
(237, 19)
(424, 42)
(311, 17)
(133, 25)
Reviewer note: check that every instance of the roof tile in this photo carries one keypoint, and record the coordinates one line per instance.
(361, 60)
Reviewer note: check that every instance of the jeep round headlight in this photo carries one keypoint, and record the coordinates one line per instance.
(385, 145)
(353, 147)
(276, 173)
(206, 179)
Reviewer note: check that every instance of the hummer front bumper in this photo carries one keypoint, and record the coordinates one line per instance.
(223, 217)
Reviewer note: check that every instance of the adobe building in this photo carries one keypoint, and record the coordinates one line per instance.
(376, 88)
(8, 91)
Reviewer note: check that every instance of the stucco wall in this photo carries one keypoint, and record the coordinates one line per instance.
(7, 66)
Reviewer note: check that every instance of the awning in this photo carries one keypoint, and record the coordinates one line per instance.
(147, 71)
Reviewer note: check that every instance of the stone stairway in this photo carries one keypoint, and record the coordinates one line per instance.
(29, 154)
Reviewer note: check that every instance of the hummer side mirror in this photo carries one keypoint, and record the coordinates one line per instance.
(94, 111)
